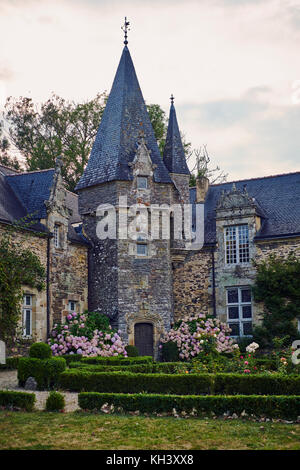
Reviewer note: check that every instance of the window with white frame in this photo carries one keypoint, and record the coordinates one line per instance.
(27, 315)
(142, 182)
(73, 305)
(237, 244)
(56, 235)
(239, 310)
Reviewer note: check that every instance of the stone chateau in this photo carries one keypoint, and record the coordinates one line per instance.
(145, 283)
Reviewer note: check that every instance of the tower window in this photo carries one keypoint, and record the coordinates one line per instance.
(142, 182)
(72, 306)
(56, 235)
(142, 249)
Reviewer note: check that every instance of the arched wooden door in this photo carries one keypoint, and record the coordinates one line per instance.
(143, 338)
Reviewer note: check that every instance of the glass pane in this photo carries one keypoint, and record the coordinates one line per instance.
(27, 322)
(141, 249)
(28, 300)
(246, 295)
(247, 311)
(244, 243)
(232, 296)
(142, 182)
(233, 313)
(247, 328)
(235, 329)
(230, 236)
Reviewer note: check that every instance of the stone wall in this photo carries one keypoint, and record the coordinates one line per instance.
(192, 284)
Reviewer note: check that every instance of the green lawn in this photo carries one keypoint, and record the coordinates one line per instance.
(41, 430)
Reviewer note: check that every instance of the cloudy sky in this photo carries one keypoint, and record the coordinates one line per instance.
(232, 65)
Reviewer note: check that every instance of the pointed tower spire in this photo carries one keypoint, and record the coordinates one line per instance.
(174, 156)
(124, 117)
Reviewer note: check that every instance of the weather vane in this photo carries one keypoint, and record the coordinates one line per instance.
(125, 29)
(172, 99)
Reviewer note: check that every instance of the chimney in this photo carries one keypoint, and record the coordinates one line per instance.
(202, 184)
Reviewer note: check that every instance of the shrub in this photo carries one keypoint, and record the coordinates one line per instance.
(270, 406)
(200, 335)
(184, 384)
(45, 371)
(72, 358)
(87, 334)
(55, 401)
(21, 400)
(138, 368)
(40, 351)
(170, 352)
(117, 360)
(132, 351)
(11, 363)
(126, 382)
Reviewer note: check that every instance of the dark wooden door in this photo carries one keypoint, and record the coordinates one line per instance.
(143, 338)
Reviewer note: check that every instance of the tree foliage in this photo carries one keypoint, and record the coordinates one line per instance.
(18, 267)
(277, 285)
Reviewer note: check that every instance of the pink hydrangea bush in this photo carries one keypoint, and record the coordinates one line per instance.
(200, 334)
(79, 335)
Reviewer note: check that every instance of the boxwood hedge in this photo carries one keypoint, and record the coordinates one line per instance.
(269, 406)
(117, 360)
(45, 371)
(183, 384)
(21, 400)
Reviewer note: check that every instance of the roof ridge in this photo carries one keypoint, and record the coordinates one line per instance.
(34, 171)
(256, 178)
(8, 167)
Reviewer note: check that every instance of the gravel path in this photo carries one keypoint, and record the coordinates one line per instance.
(9, 381)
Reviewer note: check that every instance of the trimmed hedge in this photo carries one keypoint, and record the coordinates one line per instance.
(132, 351)
(182, 384)
(137, 368)
(72, 358)
(11, 363)
(40, 351)
(126, 382)
(270, 406)
(45, 371)
(117, 360)
(155, 367)
(21, 400)
(55, 401)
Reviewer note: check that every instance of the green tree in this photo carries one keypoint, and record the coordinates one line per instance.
(59, 127)
(277, 285)
(18, 267)
(56, 127)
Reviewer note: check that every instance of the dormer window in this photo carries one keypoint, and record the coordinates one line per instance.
(142, 182)
(237, 244)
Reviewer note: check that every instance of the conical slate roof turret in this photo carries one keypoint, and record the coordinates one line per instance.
(124, 118)
(174, 156)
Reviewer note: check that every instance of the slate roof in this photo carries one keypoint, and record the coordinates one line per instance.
(174, 156)
(24, 194)
(33, 188)
(124, 118)
(278, 198)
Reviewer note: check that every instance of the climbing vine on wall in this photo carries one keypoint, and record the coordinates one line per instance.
(18, 267)
(277, 285)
